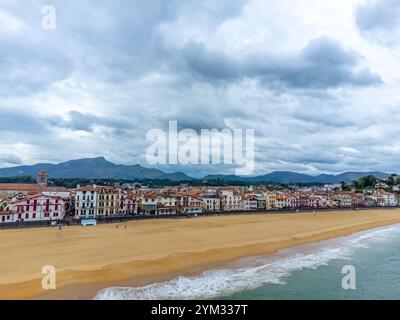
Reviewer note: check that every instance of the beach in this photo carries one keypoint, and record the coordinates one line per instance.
(88, 259)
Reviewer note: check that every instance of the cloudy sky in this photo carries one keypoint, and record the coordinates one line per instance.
(318, 81)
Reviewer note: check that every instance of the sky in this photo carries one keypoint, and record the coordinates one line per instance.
(318, 81)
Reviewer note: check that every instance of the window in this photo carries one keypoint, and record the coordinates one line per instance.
(27, 216)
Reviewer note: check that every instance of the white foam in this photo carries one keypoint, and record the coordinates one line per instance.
(259, 271)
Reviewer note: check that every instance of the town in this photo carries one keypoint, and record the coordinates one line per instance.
(24, 204)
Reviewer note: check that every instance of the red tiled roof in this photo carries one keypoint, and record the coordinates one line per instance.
(55, 189)
(36, 196)
(18, 186)
(193, 193)
(149, 196)
(29, 187)
(95, 188)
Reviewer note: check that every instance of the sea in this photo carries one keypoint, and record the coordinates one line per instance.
(362, 266)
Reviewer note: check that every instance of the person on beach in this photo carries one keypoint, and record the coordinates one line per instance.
(59, 230)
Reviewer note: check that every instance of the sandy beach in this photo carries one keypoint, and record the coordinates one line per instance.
(90, 258)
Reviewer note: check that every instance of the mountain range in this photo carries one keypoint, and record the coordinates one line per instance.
(100, 168)
(93, 168)
(288, 177)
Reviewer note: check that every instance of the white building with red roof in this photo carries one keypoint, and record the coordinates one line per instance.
(35, 208)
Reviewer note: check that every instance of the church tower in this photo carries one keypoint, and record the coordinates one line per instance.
(42, 178)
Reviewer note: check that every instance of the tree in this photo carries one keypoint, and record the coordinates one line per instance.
(345, 186)
(366, 182)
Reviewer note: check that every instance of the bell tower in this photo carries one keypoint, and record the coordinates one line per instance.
(42, 178)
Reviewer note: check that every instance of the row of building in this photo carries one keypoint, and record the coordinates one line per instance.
(20, 202)
(39, 202)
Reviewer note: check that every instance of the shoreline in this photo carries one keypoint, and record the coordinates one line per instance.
(84, 281)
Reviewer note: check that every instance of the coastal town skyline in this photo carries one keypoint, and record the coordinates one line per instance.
(43, 202)
(323, 102)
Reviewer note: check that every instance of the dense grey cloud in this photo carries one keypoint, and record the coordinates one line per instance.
(380, 20)
(19, 121)
(322, 64)
(318, 96)
(27, 68)
(378, 14)
(10, 159)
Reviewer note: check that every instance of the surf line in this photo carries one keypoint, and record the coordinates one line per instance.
(160, 310)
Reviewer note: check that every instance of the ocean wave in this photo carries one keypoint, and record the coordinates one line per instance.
(257, 272)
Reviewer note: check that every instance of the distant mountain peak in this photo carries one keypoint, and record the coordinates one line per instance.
(95, 159)
(101, 158)
(94, 168)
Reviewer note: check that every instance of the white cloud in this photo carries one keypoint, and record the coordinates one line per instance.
(112, 71)
(10, 25)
